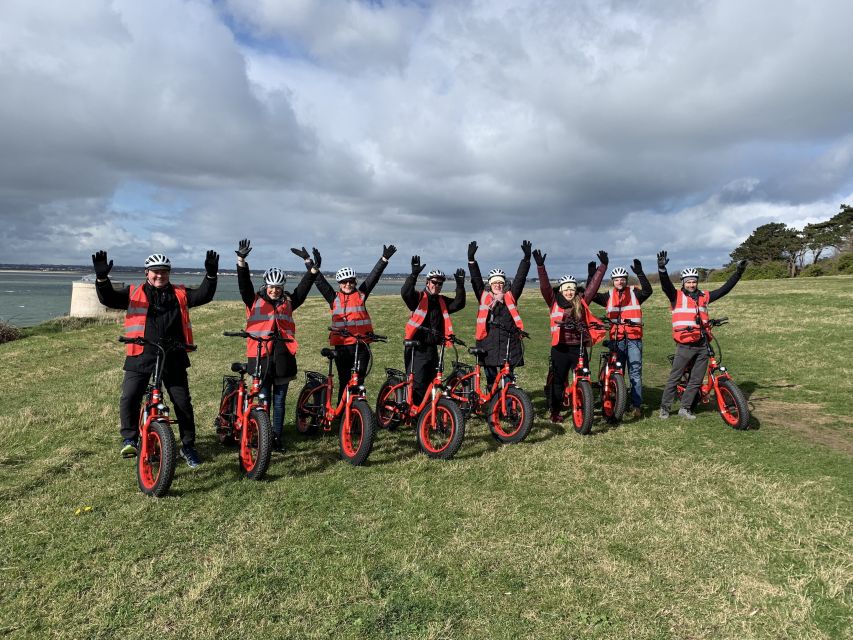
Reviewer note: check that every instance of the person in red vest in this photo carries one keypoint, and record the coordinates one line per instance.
(623, 302)
(430, 320)
(349, 312)
(498, 320)
(566, 305)
(156, 309)
(687, 304)
(269, 311)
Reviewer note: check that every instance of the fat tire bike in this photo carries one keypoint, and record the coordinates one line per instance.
(314, 409)
(731, 401)
(506, 407)
(613, 387)
(439, 423)
(244, 416)
(155, 460)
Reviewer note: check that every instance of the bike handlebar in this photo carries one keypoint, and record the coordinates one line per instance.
(171, 344)
(346, 333)
(246, 334)
(622, 321)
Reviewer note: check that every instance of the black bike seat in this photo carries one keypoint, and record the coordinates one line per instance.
(329, 353)
(238, 367)
(411, 343)
(476, 351)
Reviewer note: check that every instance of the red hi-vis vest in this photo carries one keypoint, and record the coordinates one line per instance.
(624, 305)
(419, 315)
(595, 335)
(263, 318)
(684, 315)
(483, 313)
(349, 312)
(137, 314)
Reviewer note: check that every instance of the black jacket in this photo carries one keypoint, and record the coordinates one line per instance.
(434, 319)
(163, 319)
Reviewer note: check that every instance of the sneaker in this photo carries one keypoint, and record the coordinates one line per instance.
(636, 413)
(129, 448)
(191, 456)
(277, 444)
(664, 413)
(687, 414)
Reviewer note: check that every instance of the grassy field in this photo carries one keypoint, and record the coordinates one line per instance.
(654, 529)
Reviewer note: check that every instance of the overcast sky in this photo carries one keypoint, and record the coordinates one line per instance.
(179, 126)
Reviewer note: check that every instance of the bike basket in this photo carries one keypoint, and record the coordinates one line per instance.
(395, 373)
(461, 369)
(314, 376)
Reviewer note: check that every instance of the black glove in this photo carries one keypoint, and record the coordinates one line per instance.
(388, 251)
(244, 248)
(417, 267)
(102, 268)
(741, 266)
(590, 270)
(318, 259)
(302, 253)
(472, 249)
(211, 263)
(539, 257)
(602, 257)
(637, 267)
(460, 277)
(526, 246)
(662, 260)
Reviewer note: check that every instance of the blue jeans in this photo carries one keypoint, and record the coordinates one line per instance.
(279, 393)
(631, 353)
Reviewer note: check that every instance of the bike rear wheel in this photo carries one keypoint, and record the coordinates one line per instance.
(442, 439)
(616, 396)
(388, 405)
(356, 439)
(309, 407)
(256, 445)
(513, 425)
(582, 411)
(155, 465)
(736, 413)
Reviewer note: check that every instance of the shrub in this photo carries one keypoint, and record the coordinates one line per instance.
(772, 270)
(8, 332)
(845, 263)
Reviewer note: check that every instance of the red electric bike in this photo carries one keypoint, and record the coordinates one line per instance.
(507, 408)
(439, 424)
(155, 461)
(314, 408)
(577, 395)
(731, 403)
(611, 371)
(244, 416)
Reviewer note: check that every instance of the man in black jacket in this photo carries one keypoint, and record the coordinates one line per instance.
(156, 310)
(428, 323)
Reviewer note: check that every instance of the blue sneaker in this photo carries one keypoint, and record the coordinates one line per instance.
(129, 448)
(191, 456)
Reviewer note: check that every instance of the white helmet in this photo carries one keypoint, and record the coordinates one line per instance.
(690, 272)
(567, 279)
(157, 261)
(497, 274)
(618, 272)
(344, 273)
(438, 274)
(274, 277)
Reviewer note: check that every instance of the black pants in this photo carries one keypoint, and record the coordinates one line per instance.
(132, 391)
(564, 358)
(684, 354)
(424, 366)
(492, 373)
(344, 362)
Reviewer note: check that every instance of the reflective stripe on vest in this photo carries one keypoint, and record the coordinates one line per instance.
(483, 313)
(557, 314)
(684, 315)
(137, 316)
(353, 317)
(263, 319)
(419, 314)
(631, 311)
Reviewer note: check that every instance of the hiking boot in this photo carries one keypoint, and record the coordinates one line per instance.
(129, 448)
(663, 414)
(277, 444)
(636, 413)
(687, 414)
(191, 456)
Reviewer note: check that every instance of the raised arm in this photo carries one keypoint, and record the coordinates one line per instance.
(523, 269)
(207, 289)
(593, 284)
(544, 282)
(325, 288)
(665, 283)
(407, 291)
(729, 284)
(458, 302)
(108, 296)
(645, 286)
(474, 270)
(373, 277)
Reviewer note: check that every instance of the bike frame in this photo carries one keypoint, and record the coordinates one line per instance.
(716, 372)
(609, 363)
(581, 371)
(432, 393)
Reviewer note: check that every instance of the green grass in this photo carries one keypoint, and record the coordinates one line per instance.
(650, 530)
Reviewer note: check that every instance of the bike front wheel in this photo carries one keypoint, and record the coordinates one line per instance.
(356, 438)
(513, 425)
(443, 438)
(734, 409)
(155, 465)
(614, 398)
(582, 409)
(256, 445)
